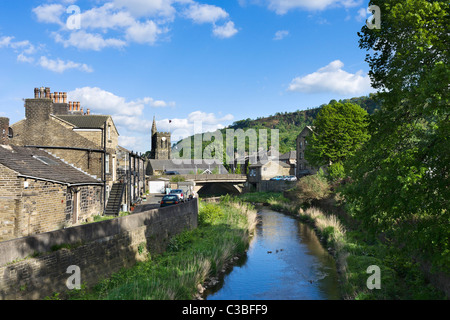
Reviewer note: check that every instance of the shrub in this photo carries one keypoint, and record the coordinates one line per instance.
(310, 188)
(336, 171)
(209, 213)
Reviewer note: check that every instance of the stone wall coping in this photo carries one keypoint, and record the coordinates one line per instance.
(21, 248)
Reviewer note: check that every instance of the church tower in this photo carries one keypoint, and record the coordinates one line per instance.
(161, 145)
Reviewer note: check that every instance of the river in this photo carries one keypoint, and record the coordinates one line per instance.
(285, 261)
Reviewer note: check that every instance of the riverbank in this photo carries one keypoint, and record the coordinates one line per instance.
(192, 261)
(355, 252)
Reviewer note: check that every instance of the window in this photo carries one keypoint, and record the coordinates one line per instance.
(300, 155)
(109, 132)
(301, 144)
(107, 163)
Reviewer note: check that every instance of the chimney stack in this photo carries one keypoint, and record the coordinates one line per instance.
(4, 131)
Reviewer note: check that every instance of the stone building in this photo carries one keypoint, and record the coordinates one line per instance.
(40, 192)
(303, 167)
(89, 142)
(161, 145)
(266, 170)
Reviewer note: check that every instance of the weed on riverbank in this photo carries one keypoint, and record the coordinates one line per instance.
(192, 257)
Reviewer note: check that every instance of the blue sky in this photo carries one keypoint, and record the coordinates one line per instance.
(184, 60)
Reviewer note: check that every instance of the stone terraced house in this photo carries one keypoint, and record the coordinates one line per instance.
(87, 141)
(40, 192)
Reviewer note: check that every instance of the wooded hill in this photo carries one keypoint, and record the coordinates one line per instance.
(289, 124)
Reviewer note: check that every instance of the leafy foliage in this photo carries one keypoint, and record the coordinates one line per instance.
(339, 130)
(400, 177)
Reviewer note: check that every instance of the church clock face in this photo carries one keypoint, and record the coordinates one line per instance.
(163, 138)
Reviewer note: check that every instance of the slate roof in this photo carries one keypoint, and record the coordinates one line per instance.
(288, 155)
(169, 165)
(260, 164)
(85, 121)
(38, 164)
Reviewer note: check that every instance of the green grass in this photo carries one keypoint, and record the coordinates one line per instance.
(191, 257)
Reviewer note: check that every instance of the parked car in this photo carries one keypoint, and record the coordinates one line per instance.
(277, 178)
(169, 200)
(179, 193)
(171, 173)
(290, 178)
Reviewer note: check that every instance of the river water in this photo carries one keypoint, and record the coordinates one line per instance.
(285, 261)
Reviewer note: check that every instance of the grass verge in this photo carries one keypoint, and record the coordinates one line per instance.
(191, 258)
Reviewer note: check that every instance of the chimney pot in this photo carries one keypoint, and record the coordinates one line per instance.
(47, 92)
(41, 92)
(64, 97)
(70, 105)
(36, 93)
(88, 111)
(55, 95)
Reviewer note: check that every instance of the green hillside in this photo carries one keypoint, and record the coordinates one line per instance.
(289, 124)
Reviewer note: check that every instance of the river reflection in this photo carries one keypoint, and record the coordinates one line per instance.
(285, 261)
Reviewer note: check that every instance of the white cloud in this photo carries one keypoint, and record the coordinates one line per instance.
(283, 6)
(25, 50)
(362, 14)
(60, 66)
(139, 8)
(23, 58)
(106, 17)
(134, 118)
(126, 114)
(226, 31)
(205, 13)
(116, 23)
(332, 78)
(195, 122)
(100, 100)
(279, 35)
(144, 32)
(88, 41)
(49, 13)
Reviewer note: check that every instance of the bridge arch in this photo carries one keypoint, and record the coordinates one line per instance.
(217, 189)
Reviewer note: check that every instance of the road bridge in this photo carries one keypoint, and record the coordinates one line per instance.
(212, 183)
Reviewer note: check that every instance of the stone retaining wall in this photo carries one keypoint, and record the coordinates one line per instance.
(34, 268)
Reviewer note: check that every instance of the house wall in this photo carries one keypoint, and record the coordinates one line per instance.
(9, 202)
(41, 206)
(302, 163)
(30, 269)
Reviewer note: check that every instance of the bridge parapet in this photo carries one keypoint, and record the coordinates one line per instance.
(215, 177)
(207, 177)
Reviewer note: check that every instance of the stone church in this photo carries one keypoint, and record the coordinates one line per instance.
(161, 145)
